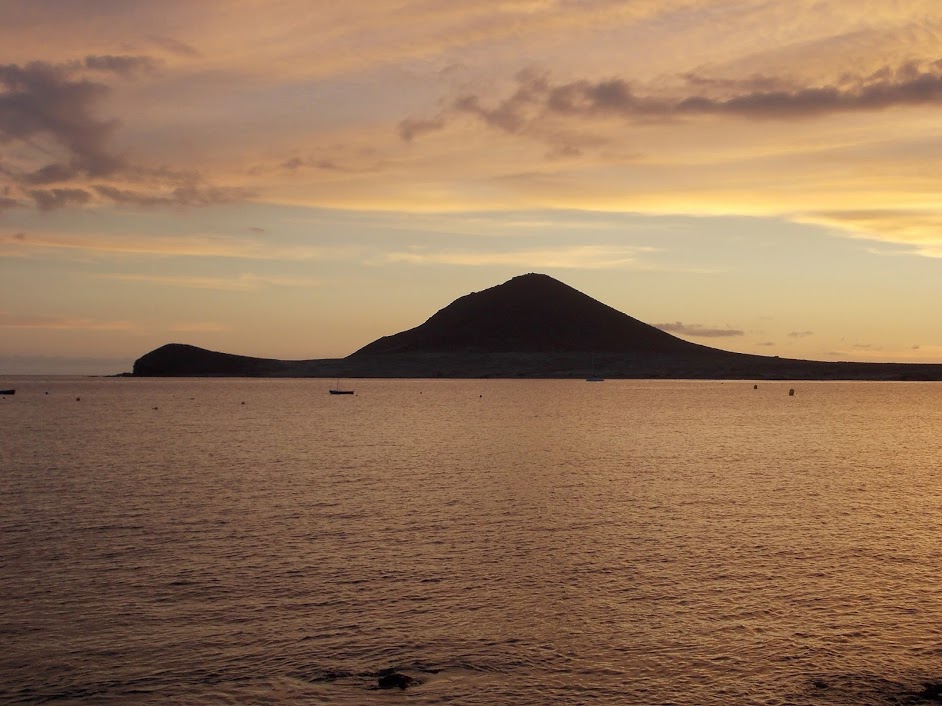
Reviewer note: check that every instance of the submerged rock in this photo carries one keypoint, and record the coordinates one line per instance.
(395, 680)
(931, 691)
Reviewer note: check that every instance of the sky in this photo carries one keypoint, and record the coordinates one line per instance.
(295, 178)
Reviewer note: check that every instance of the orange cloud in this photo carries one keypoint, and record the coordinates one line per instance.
(32, 321)
(414, 107)
(196, 245)
(918, 229)
(244, 282)
(580, 256)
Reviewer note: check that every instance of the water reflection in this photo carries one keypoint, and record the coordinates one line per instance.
(498, 541)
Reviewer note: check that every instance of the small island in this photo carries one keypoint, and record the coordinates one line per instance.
(532, 326)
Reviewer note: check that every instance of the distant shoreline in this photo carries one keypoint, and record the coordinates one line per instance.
(186, 361)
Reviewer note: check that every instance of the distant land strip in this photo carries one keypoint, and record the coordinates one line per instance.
(179, 360)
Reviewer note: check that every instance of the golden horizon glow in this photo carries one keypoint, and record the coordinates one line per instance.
(341, 171)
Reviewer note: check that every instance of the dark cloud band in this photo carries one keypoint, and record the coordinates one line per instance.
(537, 99)
(51, 109)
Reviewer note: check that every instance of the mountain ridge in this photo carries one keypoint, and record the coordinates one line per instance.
(532, 326)
(531, 313)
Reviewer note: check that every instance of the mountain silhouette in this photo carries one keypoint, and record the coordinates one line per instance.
(532, 313)
(532, 326)
(186, 360)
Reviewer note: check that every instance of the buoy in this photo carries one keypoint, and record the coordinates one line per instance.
(78, 399)
(755, 387)
(791, 393)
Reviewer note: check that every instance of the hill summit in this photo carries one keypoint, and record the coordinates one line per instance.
(531, 313)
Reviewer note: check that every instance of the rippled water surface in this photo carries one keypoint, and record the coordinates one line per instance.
(502, 542)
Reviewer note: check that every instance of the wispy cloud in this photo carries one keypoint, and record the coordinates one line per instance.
(6, 203)
(195, 245)
(173, 46)
(698, 331)
(193, 194)
(919, 229)
(122, 65)
(10, 320)
(576, 257)
(199, 327)
(32, 321)
(50, 199)
(410, 128)
(912, 354)
(244, 282)
(800, 334)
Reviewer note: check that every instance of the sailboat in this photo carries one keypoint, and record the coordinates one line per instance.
(594, 377)
(337, 390)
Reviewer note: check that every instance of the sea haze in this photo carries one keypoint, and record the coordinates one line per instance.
(502, 542)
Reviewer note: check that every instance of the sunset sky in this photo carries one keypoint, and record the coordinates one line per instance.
(295, 178)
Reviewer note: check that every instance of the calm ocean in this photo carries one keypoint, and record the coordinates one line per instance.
(501, 542)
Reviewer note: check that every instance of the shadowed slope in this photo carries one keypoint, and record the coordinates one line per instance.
(532, 313)
(179, 359)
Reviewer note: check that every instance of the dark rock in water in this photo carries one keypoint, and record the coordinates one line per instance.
(931, 691)
(395, 680)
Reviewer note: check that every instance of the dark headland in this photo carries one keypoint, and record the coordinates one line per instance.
(532, 326)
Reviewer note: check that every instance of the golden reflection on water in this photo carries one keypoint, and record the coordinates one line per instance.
(259, 541)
